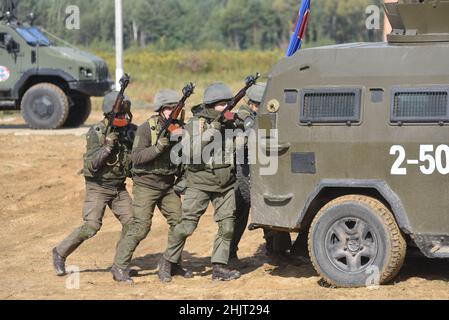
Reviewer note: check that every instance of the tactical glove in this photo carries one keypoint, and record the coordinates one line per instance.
(111, 140)
(162, 143)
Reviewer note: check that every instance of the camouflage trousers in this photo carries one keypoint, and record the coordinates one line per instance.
(144, 204)
(97, 199)
(194, 206)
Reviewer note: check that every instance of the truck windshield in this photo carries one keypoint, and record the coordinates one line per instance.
(33, 36)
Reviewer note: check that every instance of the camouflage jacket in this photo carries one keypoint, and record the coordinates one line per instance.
(209, 175)
(152, 168)
(104, 167)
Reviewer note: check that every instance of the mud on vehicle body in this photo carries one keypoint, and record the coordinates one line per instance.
(364, 164)
(51, 85)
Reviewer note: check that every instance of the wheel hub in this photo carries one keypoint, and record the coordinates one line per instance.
(43, 107)
(354, 245)
(351, 245)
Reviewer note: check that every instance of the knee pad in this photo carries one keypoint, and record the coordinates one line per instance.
(140, 232)
(87, 231)
(126, 228)
(226, 229)
(185, 229)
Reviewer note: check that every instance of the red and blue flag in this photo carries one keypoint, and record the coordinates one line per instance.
(300, 28)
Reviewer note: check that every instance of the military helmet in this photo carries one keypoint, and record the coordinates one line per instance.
(109, 101)
(217, 92)
(256, 92)
(166, 97)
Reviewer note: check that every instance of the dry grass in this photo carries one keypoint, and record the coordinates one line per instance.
(153, 70)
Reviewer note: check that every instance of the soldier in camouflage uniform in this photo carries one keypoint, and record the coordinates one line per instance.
(276, 242)
(106, 167)
(209, 181)
(154, 177)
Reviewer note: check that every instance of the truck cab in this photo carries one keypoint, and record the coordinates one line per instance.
(50, 84)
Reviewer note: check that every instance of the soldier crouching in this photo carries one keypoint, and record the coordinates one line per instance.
(206, 183)
(106, 167)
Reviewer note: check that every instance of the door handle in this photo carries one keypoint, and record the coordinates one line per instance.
(279, 148)
(278, 198)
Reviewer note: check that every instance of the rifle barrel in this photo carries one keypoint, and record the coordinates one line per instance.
(173, 116)
(238, 97)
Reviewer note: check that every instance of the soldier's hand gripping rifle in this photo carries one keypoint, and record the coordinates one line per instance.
(170, 125)
(120, 107)
(249, 82)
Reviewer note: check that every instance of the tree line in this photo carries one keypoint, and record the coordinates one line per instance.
(200, 24)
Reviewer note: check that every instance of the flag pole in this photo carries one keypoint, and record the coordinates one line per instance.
(299, 28)
(119, 71)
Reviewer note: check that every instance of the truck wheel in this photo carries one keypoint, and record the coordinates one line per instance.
(243, 182)
(79, 112)
(45, 106)
(354, 241)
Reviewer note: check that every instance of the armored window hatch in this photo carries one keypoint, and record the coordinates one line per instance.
(420, 105)
(330, 106)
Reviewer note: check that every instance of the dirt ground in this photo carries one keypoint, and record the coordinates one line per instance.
(42, 197)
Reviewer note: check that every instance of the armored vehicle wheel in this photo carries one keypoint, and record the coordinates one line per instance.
(354, 241)
(45, 106)
(79, 112)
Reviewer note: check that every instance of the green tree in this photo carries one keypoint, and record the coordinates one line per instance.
(196, 24)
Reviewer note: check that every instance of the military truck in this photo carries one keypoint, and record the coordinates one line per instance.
(363, 149)
(51, 85)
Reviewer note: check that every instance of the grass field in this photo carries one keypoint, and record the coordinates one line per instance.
(152, 71)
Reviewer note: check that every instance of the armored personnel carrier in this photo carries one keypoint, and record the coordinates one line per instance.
(363, 149)
(51, 85)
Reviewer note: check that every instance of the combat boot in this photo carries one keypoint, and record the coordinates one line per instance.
(121, 275)
(222, 273)
(59, 263)
(234, 261)
(165, 270)
(233, 256)
(179, 270)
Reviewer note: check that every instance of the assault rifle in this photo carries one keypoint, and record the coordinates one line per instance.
(170, 124)
(120, 107)
(249, 82)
